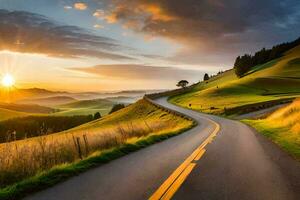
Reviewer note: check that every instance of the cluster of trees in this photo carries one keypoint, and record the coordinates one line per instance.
(244, 63)
(31, 126)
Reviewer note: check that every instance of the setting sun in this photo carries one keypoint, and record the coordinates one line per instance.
(8, 80)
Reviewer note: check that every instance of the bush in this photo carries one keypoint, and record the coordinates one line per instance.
(97, 115)
(206, 77)
(117, 107)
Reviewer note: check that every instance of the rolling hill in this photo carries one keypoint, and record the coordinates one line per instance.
(274, 81)
(49, 101)
(27, 108)
(8, 114)
(86, 107)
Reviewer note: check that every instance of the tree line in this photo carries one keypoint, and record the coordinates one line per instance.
(31, 126)
(245, 63)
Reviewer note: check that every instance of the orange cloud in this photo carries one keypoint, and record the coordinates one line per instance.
(99, 13)
(156, 12)
(80, 6)
(111, 19)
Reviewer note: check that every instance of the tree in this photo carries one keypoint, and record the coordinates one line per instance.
(97, 115)
(206, 77)
(182, 83)
(117, 107)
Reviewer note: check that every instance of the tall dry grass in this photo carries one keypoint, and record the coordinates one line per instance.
(288, 116)
(25, 158)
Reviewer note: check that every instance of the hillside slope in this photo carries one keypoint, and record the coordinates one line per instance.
(275, 80)
(141, 120)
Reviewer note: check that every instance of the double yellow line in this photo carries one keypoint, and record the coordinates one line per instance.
(172, 184)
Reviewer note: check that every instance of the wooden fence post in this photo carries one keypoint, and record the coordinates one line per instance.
(86, 144)
(78, 147)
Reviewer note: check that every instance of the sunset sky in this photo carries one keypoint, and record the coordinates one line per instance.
(95, 45)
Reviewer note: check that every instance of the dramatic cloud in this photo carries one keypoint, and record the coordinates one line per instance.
(80, 6)
(211, 25)
(32, 33)
(140, 72)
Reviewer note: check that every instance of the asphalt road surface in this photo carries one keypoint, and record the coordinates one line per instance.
(237, 163)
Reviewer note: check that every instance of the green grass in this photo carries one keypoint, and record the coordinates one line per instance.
(8, 114)
(85, 107)
(282, 136)
(282, 127)
(62, 172)
(275, 80)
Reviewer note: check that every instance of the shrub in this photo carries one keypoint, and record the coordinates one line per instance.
(117, 107)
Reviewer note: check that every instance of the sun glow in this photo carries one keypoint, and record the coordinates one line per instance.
(8, 80)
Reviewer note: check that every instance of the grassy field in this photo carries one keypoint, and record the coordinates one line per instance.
(8, 114)
(282, 127)
(138, 122)
(277, 79)
(80, 107)
(85, 107)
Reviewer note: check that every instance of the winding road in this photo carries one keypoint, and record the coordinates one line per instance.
(217, 159)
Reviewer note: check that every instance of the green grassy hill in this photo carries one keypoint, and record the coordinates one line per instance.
(49, 101)
(8, 114)
(9, 111)
(276, 80)
(86, 107)
(27, 108)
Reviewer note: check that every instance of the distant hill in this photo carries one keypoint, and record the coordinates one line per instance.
(85, 107)
(49, 101)
(123, 99)
(94, 103)
(18, 94)
(27, 108)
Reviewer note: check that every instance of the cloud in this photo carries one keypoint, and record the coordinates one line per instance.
(140, 72)
(208, 26)
(22, 31)
(80, 6)
(99, 13)
(68, 7)
(98, 26)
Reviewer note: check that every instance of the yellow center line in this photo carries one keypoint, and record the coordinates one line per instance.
(169, 194)
(175, 180)
(200, 154)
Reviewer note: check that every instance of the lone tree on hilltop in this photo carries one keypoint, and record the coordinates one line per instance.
(206, 77)
(182, 83)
